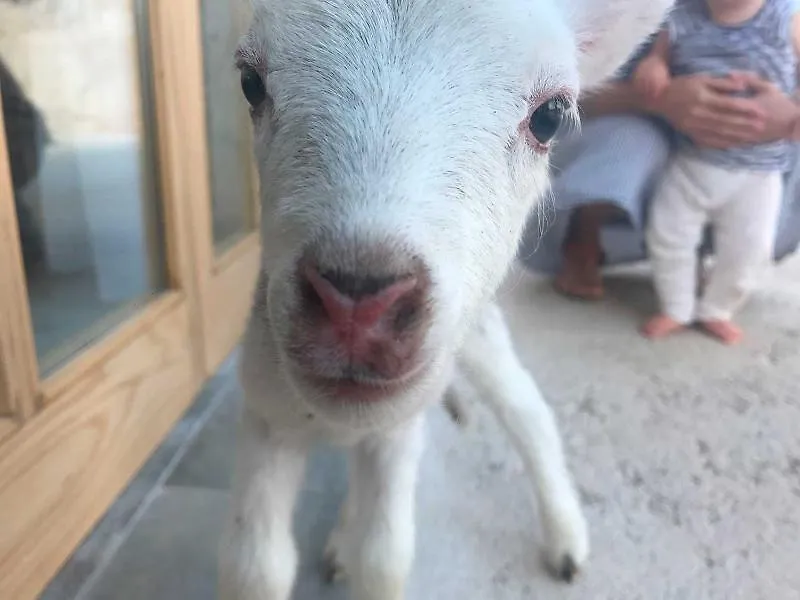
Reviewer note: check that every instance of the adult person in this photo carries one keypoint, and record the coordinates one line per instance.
(603, 176)
(26, 137)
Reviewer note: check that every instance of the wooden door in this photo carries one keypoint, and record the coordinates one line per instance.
(117, 297)
(226, 233)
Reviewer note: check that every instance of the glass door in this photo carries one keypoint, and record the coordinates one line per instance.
(83, 173)
(128, 250)
(228, 245)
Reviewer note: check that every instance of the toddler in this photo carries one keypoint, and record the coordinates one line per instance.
(739, 190)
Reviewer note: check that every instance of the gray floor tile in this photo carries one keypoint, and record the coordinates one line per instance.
(208, 463)
(171, 552)
(107, 534)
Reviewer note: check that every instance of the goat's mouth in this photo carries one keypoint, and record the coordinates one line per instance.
(351, 386)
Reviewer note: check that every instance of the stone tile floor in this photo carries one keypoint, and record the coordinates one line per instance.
(686, 454)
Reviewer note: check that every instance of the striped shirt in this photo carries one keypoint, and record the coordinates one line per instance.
(763, 45)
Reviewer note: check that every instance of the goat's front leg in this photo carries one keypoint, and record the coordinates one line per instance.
(376, 544)
(258, 556)
(334, 549)
(491, 364)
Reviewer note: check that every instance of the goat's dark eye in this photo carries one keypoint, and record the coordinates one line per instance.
(546, 120)
(253, 87)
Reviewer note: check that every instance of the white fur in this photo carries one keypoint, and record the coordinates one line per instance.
(397, 121)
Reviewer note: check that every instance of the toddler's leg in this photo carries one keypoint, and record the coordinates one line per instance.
(675, 231)
(744, 241)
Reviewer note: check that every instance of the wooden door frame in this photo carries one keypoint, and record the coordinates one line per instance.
(225, 280)
(70, 442)
(19, 375)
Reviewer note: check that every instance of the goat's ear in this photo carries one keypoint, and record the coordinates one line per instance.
(609, 31)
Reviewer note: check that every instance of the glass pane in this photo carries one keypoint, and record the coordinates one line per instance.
(81, 162)
(228, 120)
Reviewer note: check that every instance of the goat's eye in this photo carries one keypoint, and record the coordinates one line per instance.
(253, 87)
(546, 120)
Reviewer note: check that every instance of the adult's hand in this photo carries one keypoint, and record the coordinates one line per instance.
(702, 107)
(781, 111)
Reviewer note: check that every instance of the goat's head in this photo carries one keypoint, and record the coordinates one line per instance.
(401, 145)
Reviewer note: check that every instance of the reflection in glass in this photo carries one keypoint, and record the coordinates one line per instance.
(230, 154)
(80, 162)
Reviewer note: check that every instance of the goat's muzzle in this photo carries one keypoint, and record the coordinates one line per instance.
(359, 325)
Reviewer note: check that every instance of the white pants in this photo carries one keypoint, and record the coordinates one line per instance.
(742, 207)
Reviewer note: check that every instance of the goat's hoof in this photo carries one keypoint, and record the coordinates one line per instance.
(456, 411)
(565, 566)
(567, 569)
(332, 570)
(567, 547)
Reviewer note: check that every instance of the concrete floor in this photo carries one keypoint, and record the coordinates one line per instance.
(686, 453)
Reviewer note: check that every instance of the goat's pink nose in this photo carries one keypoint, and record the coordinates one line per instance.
(357, 302)
(368, 322)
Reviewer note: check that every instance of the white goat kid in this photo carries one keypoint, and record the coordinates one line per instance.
(401, 146)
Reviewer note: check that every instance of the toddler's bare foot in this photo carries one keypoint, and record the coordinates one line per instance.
(661, 326)
(725, 331)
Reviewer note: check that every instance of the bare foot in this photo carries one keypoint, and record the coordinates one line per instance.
(580, 276)
(661, 326)
(569, 285)
(724, 331)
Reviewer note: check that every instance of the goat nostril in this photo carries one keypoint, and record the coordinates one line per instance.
(311, 298)
(349, 299)
(356, 287)
(407, 314)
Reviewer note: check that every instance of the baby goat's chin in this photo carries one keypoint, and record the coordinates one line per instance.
(356, 402)
(355, 389)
